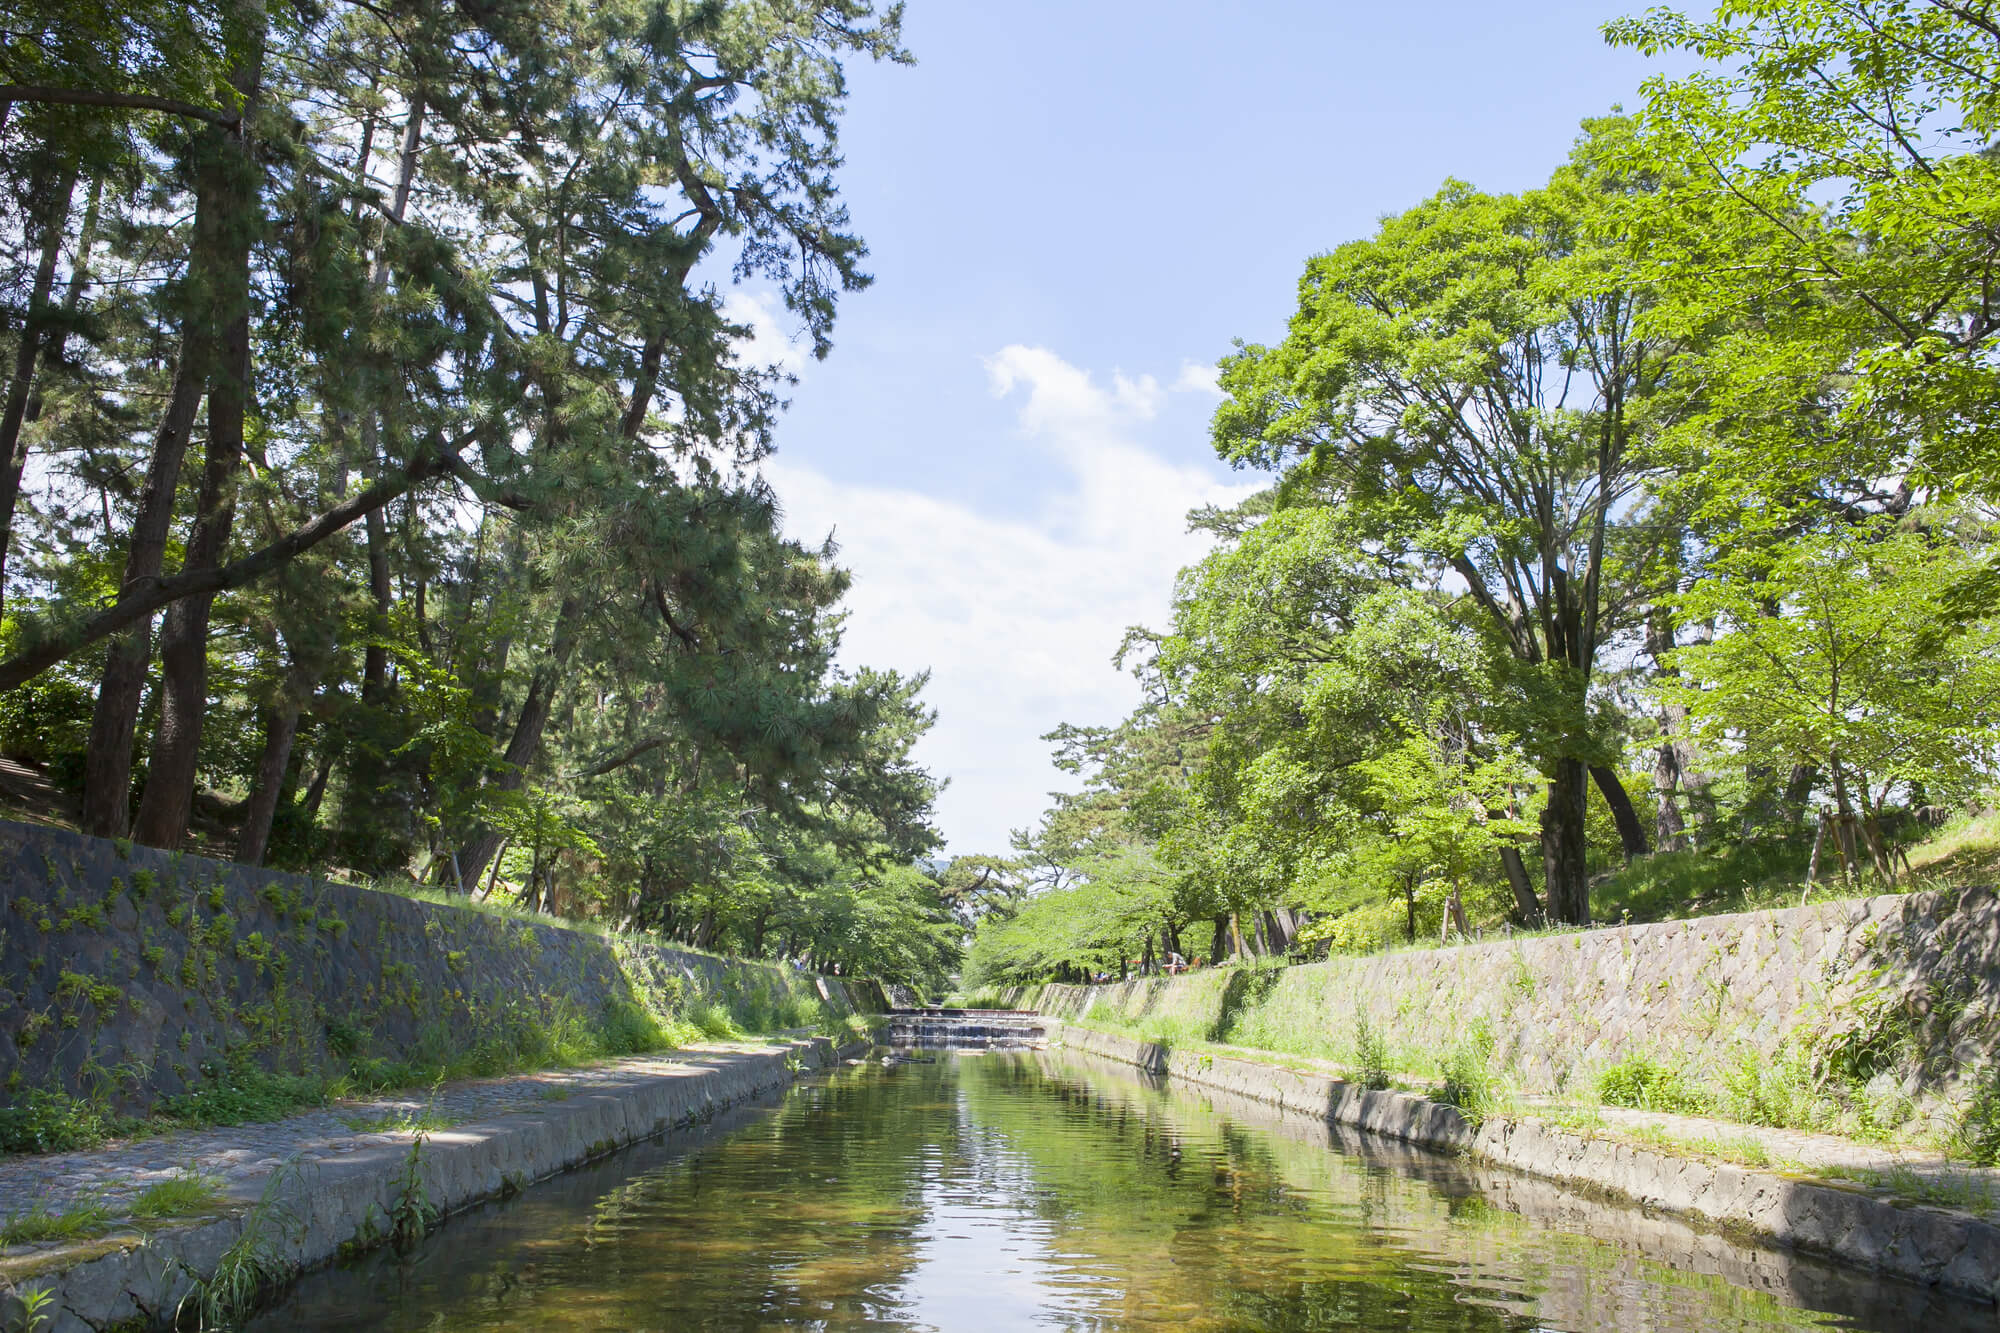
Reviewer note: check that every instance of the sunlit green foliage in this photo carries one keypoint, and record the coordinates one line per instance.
(1674, 473)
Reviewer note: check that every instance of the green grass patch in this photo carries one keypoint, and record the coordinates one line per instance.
(244, 1096)
(38, 1224)
(1731, 877)
(1964, 851)
(45, 1122)
(1648, 1085)
(177, 1196)
(1740, 1149)
(1949, 1189)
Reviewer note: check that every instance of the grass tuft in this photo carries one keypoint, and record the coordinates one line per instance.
(177, 1196)
(90, 1218)
(1470, 1083)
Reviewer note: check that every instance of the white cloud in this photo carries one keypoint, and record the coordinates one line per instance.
(1017, 618)
(1199, 379)
(769, 343)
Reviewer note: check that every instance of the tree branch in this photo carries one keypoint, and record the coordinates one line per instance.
(20, 92)
(141, 597)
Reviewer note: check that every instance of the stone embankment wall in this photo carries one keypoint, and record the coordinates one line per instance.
(1934, 1247)
(130, 974)
(1903, 989)
(312, 1211)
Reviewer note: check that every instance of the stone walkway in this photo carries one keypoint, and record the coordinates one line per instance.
(240, 1158)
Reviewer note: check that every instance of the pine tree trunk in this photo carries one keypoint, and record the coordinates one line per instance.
(107, 771)
(168, 797)
(316, 789)
(1566, 870)
(218, 286)
(526, 742)
(169, 793)
(1631, 833)
(281, 728)
(27, 354)
(274, 763)
(375, 658)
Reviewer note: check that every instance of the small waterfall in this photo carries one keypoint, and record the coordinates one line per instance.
(966, 1029)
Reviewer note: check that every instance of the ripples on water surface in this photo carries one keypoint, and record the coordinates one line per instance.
(1033, 1190)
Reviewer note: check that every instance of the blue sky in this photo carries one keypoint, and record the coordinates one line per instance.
(1072, 210)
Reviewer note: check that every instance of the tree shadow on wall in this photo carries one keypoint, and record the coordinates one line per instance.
(1247, 988)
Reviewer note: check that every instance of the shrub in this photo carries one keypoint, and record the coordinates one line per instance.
(40, 1122)
(1469, 1081)
(628, 1030)
(1371, 1054)
(1976, 1137)
(713, 1020)
(1650, 1086)
(1780, 1091)
(242, 1096)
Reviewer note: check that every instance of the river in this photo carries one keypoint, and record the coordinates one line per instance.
(1035, 1190)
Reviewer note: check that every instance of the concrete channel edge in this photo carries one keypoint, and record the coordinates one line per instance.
(1937, 1247)
(331, 1209)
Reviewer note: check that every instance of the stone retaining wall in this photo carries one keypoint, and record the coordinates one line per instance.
(129, 974)
(1931, 1246)
(1904, 987)
(1405, 1188)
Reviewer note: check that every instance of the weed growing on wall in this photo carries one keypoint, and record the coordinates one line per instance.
(1371, 1054)
(412, 1214)
(37, 1307)
(247, 1269)
(1976, 1136)
(1470, 1083)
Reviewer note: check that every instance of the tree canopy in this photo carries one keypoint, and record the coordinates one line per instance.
(1616, 518)
(384, 486)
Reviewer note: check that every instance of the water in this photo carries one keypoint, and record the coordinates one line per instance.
(1030, 1190)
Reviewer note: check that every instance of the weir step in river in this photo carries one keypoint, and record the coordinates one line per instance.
(938, 1029)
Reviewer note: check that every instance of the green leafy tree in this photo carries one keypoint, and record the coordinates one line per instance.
(1828, 214)
(1473, 389)
(1842, 648)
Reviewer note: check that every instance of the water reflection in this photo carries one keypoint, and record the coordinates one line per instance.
(1030, 1190)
